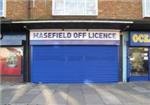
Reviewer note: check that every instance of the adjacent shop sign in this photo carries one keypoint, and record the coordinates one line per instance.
(75, 37)
(12, 39)
(75, 7)
(140, 39)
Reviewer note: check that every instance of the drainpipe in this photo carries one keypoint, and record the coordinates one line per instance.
(27, 77)
(27, 45)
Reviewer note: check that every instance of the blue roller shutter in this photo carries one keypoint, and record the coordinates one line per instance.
(74, 64)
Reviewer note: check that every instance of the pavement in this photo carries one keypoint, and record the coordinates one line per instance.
(133, 93)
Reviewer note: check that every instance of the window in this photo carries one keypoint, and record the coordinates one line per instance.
(11, 60)
(75, 7)
(146, 8)
(2, 8)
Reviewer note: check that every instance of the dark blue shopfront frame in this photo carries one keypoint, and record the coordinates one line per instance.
(132, 43)
(137, 78)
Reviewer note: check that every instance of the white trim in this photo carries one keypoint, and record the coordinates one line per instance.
(74, 21)
(143, 7)
(105, 30)
(91, 30)
(3, 9)
(39, 30)
(144, 10)
(124, 53)
(97, 7)
(33, 3)
(64, 11)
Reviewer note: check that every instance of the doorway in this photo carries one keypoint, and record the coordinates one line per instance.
(138, 63)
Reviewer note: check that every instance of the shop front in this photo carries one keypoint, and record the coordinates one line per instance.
(74, 56)
(139, 56)
(12, 57)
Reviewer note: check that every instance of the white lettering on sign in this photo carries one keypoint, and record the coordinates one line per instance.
(68, 35)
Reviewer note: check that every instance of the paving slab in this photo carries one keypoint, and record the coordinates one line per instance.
(91, 96)
(108, 97)
(123, 96)
(75, 95)
(133, 93)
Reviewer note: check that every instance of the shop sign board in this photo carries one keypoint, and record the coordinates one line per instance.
(140, 38)
(75, 37)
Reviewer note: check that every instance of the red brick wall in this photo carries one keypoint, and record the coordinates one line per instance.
(108, 9)
(17, 9)
(120, 9)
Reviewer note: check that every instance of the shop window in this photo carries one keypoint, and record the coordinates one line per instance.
(146, 8)
(2, 8)
(11, 60)
(139, 60)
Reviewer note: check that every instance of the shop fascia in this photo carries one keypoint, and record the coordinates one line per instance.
(74, 35)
